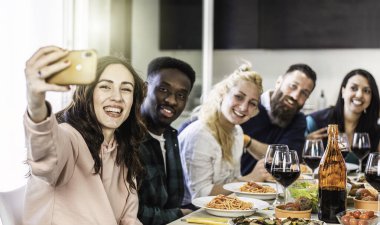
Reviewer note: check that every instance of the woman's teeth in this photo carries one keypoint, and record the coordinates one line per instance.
(112, 109)
(357, 102)
(238, 114)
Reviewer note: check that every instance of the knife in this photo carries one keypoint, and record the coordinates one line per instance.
(208, 220)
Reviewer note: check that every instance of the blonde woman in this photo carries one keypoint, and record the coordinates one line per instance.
(211, 147)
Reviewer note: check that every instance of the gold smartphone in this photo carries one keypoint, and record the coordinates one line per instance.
(81, 71)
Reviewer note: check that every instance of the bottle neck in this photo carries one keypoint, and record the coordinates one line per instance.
(332, 141)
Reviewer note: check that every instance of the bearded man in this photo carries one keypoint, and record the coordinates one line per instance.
(279, 120)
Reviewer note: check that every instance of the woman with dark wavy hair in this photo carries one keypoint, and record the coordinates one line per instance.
(83, 160)
(356, 110)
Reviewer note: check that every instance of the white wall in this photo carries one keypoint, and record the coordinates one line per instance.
(331, 64)
(145, 38)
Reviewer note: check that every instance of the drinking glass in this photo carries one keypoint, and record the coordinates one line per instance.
(285, 168)
(372, 173)
(268, 163)
(344, 145)
(312, 153)
(361, 146)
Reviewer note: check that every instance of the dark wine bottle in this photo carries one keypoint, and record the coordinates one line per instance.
(332, 177)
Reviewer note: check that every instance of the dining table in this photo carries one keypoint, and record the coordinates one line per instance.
(201, 213)
(267, 212)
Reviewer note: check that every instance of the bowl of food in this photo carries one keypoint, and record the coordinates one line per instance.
(357, 217)
(305, 188)
(301, 208)
(282, 213)
(366, 199)
(363, 204)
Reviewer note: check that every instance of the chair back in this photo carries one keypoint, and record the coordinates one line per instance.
(12, 206)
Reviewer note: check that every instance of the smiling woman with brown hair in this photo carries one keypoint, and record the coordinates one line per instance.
(83, 161)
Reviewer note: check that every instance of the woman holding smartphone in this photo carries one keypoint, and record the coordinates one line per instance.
(83, 160)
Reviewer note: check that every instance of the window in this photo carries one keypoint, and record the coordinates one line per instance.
(25, 29)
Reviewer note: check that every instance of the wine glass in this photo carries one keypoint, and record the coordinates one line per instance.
(372, 172)
(312, 153)
(361, 146)
(268, 162)
(344, 145)
(270, 153)
(285, 168)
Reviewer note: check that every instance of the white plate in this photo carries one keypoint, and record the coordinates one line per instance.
(349, 166)
(305, 177)
(257, 205)
(235, 187)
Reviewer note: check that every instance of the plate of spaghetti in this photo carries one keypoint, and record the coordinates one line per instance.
(257, 190)
(229, 206)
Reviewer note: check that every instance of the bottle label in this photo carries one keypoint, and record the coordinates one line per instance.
(330, 203)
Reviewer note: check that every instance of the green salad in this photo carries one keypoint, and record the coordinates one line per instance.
(305, 189)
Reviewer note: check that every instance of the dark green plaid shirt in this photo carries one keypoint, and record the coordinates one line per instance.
(160, 194)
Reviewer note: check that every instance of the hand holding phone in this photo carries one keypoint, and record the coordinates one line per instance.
(81, 71)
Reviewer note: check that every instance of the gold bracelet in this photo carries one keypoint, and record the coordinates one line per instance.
(249, 143)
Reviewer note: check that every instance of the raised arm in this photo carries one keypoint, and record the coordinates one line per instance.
(40, 66)
(48, 144)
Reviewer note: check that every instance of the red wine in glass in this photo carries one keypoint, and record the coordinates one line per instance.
(361, 147)
(361, 153)
(372, 171)
(373, 178)
(285, 177)
(271, 150)
(312, 153)
(285, 168)
(312, 161)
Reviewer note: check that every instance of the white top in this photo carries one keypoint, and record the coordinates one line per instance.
(202, 161)
(161, 139)
(265, 100)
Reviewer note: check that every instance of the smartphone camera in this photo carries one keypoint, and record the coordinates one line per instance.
(87, 54)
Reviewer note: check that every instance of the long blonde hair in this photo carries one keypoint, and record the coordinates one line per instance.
(210, 110)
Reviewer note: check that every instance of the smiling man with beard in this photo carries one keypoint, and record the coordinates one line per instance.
(169, 82)
(280, 114)
(280, 120)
